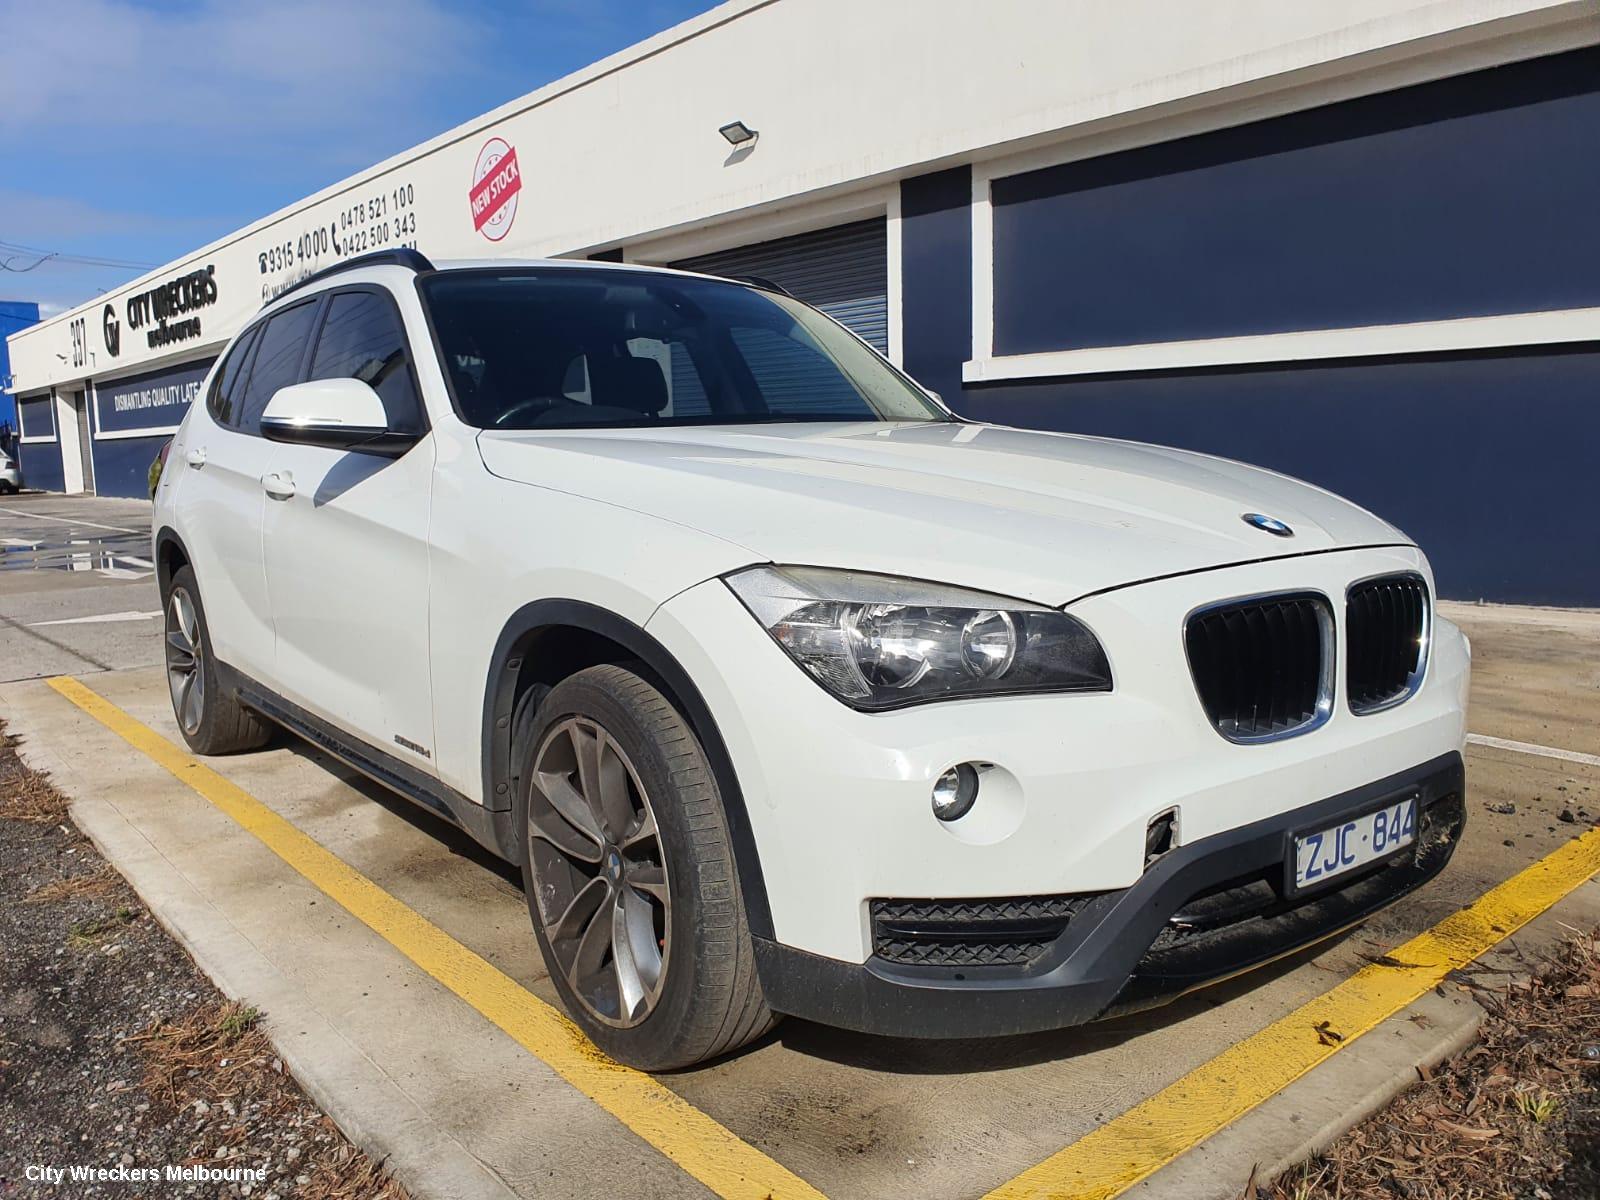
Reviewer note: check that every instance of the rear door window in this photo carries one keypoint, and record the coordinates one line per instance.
(362, 338)
(278, 356)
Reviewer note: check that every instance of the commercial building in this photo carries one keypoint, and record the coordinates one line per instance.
(1353, 241)
(14, 315)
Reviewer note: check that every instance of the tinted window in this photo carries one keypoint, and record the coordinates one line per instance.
(563, 347)
(277, 361)
(225, 390)
(362, 339)
(792, 371)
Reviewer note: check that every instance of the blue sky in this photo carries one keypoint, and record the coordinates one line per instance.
(138, 131)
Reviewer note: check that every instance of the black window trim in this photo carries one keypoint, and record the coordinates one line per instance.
(251, 331)
(326, 298)
(261, 323)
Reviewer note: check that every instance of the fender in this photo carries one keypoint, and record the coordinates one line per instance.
(499, 771)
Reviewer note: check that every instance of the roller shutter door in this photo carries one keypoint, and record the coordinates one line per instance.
(843, 271)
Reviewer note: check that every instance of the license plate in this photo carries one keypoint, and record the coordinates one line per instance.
(1341, 848)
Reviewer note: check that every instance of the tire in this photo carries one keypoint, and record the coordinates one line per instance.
(211, 719)
(676, 890)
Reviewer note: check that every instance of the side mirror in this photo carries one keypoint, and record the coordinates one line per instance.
(337, 414)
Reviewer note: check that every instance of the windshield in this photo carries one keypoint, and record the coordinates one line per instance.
(563, 348)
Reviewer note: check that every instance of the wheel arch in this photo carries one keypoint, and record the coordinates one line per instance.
(171, 554)
(548, 639)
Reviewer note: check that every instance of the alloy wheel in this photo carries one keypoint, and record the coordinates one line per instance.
(185, 678)
(600, 872)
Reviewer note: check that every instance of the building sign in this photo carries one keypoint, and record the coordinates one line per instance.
(112, 329)
(150, 403)
(496, 180)
(163, 311)
(381, 218)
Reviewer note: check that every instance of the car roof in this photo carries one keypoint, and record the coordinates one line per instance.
(575, 264)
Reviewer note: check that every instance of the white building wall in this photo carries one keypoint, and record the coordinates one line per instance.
(846, 96)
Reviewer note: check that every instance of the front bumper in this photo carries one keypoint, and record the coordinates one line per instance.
(836, 802)
(1203, 912)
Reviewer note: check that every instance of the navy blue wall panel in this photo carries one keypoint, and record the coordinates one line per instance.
(1470, 196)
(1486, 460)
(122, 465)
(936, 277)
(41, 465)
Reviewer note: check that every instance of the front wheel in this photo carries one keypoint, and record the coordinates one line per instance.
(630, 877)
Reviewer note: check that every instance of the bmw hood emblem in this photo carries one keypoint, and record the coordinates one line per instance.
(1267, 524)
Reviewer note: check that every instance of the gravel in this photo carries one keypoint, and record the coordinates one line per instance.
(116, 1053)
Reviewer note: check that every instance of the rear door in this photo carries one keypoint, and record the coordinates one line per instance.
(346, 547)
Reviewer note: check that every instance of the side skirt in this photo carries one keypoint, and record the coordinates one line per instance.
(491, 830)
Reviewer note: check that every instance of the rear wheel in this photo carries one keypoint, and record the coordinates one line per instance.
(630, 876)
(211, 721)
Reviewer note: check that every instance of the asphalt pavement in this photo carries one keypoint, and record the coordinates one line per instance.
(77, 586)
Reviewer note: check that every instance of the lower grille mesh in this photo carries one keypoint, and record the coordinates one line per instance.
(1008, 931)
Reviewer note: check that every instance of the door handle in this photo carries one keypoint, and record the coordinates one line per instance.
(196, 457)
(278, 484)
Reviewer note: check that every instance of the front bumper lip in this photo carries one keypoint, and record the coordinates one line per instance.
(1120, 952)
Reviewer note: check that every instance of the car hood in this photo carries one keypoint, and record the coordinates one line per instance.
(1041, 516)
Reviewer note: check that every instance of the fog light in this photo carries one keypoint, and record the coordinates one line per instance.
(954, 792)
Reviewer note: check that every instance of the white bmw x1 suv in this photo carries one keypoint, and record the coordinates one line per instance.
(788, 690)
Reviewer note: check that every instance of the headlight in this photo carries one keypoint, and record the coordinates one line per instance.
(878, 642)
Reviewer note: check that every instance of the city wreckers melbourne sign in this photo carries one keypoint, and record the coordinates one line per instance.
(460, 200)
(169, 312)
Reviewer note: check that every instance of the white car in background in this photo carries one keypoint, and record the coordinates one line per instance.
(790, 691)
(10, 477)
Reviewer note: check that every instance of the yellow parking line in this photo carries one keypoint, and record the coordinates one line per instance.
(1136, 1144)
(702, 1147)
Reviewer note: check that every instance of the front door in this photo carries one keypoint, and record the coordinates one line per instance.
(346, 548)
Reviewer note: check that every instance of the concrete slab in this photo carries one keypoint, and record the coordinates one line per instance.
(854, 1116)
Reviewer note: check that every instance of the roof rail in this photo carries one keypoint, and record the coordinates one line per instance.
(410, 259)
(762, 282)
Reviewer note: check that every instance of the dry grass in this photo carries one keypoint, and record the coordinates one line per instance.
(87, 935)
(94, 885)
(347, 1174)
(207, 1055)
(1517, 1115)
(24, 795)
(219, 1054)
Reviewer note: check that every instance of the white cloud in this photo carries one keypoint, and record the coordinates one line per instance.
(97, 68)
